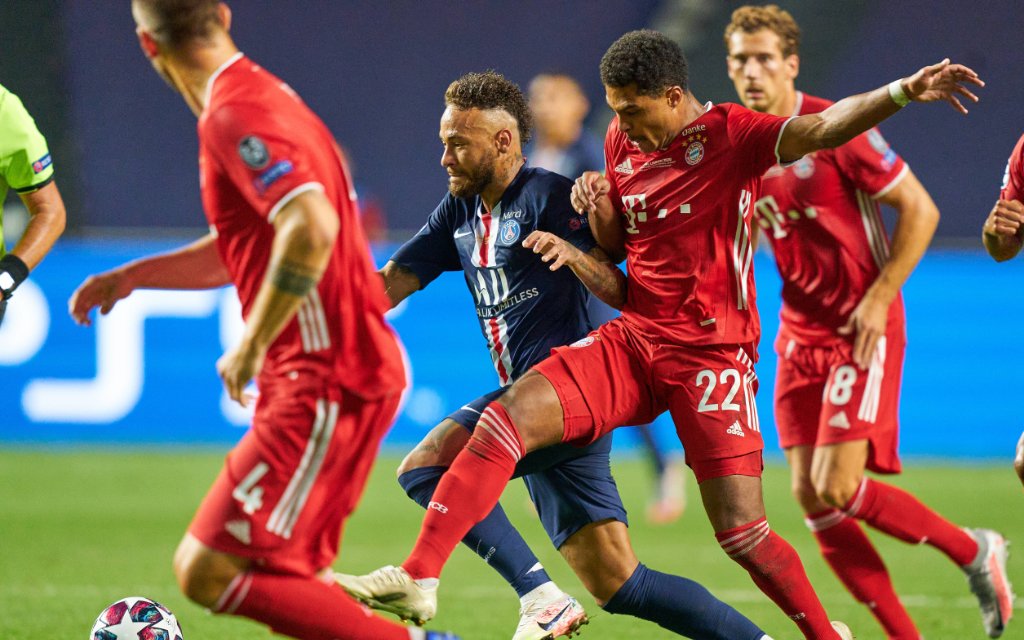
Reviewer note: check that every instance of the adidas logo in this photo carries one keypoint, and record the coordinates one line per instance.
(626, 168)
(736, 430)
(839, 421)
(240, 530)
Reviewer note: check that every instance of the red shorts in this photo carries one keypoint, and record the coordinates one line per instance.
(822, 397)
(618, 376)
(287, 487)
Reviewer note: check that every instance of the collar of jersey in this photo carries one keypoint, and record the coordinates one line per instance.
(507, 195)
(216, 74)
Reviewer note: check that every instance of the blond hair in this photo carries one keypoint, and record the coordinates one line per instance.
(751, 18)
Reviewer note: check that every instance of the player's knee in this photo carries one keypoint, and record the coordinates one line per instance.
(437, 449)
(806, 494)
(835, 489)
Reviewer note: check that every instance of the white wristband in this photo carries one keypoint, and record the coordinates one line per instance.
(898, 95)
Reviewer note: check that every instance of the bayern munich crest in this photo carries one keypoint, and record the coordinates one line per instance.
(509, 232)
(804, 168)
(694, 153)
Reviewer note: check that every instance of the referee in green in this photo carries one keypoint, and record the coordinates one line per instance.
(26, 167)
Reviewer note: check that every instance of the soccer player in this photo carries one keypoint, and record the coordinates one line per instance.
(564, 146)
(1003, 236)
(526, 308)
(284, 231)
(842, 338)
(26, 167)
(677, 200)
(1003, 233)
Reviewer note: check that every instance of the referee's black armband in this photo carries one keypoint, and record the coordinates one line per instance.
(13, 272)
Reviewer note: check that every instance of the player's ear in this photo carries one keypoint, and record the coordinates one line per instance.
(792, 63)
(224, 15)
(674, 96)
(147, 43)
(503, 139)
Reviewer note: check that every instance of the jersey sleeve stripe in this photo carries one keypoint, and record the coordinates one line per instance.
(779, 142)
(895, 181)
(869, 216)
(291, 195)
(35, 187)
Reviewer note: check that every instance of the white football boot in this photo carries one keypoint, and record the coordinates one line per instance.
(393, 590)
(547, 616)
(989, 582)
(843, 630)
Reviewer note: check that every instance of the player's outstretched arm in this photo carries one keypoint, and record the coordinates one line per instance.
(46, 223)
(194, 266)
(306, 230)
(852, 116)
(399, 282)
(590, 195)
(917, 218)
(1003, 233)
(594, 269)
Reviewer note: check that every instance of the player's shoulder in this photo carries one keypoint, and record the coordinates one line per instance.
(539, 188)
(808, 104)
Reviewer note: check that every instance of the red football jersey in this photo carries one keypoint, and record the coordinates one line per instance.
(687, 211)
(1013, 179)
(259, 147)
(823, 222)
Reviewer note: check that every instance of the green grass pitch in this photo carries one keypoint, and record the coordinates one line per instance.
(81, 529)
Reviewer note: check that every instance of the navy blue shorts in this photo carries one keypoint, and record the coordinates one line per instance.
(570, 486)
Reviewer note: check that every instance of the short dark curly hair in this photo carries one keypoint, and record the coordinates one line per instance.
(491, 90)
(646, 58)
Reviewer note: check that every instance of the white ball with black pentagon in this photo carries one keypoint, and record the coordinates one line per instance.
(136, 618)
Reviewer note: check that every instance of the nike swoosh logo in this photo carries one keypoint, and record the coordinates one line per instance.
(465, 233)
(554, 620)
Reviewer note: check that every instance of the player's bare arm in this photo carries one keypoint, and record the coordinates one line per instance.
(194, 266)
(306, 230)
(854, 115)
(46, 223)
(594, 268)
(1003, 233)
(399, 282)
(917, 218)
(590, 196)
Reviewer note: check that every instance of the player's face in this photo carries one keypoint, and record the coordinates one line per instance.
(648, 121)
(558, 107)
(762, 75)
(470, 155)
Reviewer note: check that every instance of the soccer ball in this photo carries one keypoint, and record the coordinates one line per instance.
(136, 619)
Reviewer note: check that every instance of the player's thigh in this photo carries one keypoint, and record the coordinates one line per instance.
(860, 404)
(711, 396)
(576, 490)
(602, 382)
(602, 556)
(286, 488)
(439, 447)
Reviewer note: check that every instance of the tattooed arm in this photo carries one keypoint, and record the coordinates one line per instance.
(306, 230)
(594, 268)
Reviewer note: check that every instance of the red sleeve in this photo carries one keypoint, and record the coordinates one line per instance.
(610, 149)
(1013, 179)
(870, 163)
(755, 137)
(264, 155)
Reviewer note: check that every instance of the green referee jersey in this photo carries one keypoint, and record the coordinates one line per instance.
(25, 163)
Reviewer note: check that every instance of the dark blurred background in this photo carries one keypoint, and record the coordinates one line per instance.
(125, 148)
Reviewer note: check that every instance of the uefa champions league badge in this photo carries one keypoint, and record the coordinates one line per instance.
(878, 143)
(509, 232)
(582, 342)
(253, 152)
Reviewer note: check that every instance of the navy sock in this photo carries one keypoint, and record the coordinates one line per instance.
(494, 538)
(682, 606)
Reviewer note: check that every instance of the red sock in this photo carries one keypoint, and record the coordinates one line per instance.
(854, 559)
(305, 608)
(776, 570)
(902, 516)
(468, 491)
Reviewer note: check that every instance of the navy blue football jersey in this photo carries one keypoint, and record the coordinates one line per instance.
(524, 308)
